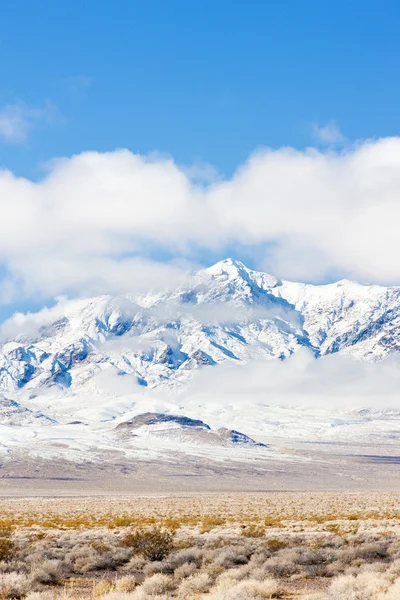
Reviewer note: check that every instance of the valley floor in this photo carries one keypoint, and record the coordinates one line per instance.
(314, 545)
(285, 465)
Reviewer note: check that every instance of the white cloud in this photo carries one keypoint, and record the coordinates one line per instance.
(331, 381)
(112, 383)
(16, 120)
(328, 134)
(84, 228)
(29, 324)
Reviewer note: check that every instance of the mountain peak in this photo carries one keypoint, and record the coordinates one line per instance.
(227, 266)
(230, 269)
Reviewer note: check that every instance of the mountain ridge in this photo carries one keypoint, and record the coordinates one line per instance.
(75, 378)
(226, 312)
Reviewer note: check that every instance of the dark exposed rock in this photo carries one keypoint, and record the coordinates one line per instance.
(236, 437)
(198, 359)
(154, 418)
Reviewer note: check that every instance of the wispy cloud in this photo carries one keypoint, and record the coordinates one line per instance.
(18, 119)
(328, 134)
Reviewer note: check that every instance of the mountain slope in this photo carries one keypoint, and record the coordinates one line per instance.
(107, 380)
(225, 313)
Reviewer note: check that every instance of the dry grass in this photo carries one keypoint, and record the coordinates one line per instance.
(216, 547)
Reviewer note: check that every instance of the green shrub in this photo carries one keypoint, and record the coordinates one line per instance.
(154, 544)
(7, 546)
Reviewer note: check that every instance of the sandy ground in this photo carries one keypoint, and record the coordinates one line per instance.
(306, 467)
(307, 518)
(291, 507)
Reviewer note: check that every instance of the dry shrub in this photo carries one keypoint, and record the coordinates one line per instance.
(253, 531)
(137, 563)
(393, 593)
(13, 585)
(235, 574)
(154, 544)
(101, 588)
(185, 570)
(245, 590)
(125, 584)
(49, 572)
(214, 571)
(114, 595)
(158, 584)
(333, 527)
(156, 567)
(195, 584)
(7, 546)
(84, 558)
(185, 556)
(279, 566)
(373, 551)
(45, 595)
(275, 544)
(232, 556)
(365, 586)
(273, 522)
(211, 522)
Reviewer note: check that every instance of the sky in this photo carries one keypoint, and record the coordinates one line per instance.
(142, 139)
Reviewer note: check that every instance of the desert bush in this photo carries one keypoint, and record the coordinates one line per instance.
(335, 568)
(114, 595)
(195, 584)
(158, 566)
(185, 570)
(211, 522)
(333, 527)
(231, 556)
(136, 563)
(101, 588)
(280, 566)
(259, 557)
(213, 571)
(157, 584)
(253, 531)
(45, 595)
(273, 522)
(49, 572)
(154, 544)
(125, 584)
(307, 557)
(393, 592)
(237, 574)
(7, 545)
(85, 558)
(245, 590)
(13, 585)
(362, 587)
(275, 544)
(373, 551)
(185, 556)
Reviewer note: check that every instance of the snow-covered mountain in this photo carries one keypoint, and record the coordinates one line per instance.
(86, 367)
(225, 313)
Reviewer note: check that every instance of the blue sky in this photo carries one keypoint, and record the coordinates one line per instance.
(206, 82)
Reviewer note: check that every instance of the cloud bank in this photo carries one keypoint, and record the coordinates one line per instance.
(89, 225)
(299, 381)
